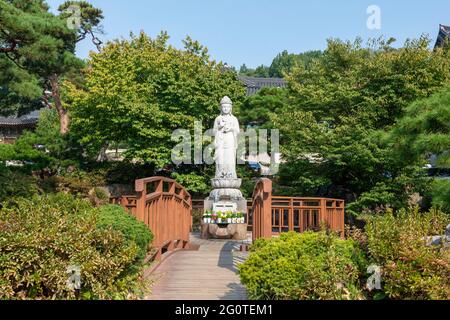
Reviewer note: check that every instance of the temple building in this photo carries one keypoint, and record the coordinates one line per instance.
(253, 84)
(12, 127)
(443, 36)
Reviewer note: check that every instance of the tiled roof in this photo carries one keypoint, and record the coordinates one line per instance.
(254, 84)
(29, 119)
(444, 33)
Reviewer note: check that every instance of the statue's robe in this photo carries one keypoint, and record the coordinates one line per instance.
(226, 130)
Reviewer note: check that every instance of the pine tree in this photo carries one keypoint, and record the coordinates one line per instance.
(37, 52)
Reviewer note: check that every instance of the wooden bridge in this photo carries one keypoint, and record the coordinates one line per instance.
(187, 267)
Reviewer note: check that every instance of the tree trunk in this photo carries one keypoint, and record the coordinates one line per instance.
(64, 119)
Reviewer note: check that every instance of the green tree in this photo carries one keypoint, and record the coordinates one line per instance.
(284, 62)
(37, 52)
(424, 129)
(340, 109)
(139, 90)
(257, 108)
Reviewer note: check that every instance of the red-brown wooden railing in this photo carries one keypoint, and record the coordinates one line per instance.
(275, 214)
(165, 207)
(262, 209)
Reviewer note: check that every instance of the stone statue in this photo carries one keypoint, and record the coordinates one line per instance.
(226, 195)
(226, 130)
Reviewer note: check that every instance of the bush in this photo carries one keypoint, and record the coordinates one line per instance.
(197, 217)
(43, 236)
(440, 194)
(303, 266)
(79, 182)
(115, 217)
(411, 269)
(16, 183)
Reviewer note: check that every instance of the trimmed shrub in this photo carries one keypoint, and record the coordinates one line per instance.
(411, 267)
(115, 217)
(43, 236)
(310, 265)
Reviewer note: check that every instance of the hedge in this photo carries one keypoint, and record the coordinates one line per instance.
(115, 217)
(41, 238)
(304, 266)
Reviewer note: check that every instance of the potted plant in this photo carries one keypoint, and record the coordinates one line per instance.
(219, 217)
(238, 217)
(242, 217)
(229, 213)
(214, 217)
(233, 218)
(208, 217)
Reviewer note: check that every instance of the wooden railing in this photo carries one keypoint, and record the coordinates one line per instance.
(262, 209)
(165, 207)
(275, 214)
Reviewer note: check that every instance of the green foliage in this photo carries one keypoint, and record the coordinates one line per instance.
(257, 108)
(303, 266)
(42, 236)
(79, 182)
(23, 150)
(192, 182)
(116, 218)
(393, 193)
(281, 65)
(340, 110)
(424, 130)
(197, 216)
(440, 193)
(411, 269)
(138, 91)
(56, 152)
(285, 62)
(14, 183)
(37, 46)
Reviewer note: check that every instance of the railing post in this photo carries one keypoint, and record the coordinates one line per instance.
(267, 233)
(262, 209)
(323, 212)
(141, 190)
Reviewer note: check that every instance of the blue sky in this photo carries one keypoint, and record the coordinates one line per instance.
(254, 31)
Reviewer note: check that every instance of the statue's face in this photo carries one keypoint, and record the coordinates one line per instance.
(226, 108)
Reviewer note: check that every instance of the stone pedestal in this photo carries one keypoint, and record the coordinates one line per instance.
(234, 231)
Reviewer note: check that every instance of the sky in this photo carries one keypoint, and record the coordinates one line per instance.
(255, 31)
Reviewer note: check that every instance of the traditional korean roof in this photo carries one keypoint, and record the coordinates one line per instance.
(444, 33)
(254, 84)
(29, 119)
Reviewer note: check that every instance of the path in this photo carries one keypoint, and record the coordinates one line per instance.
(206, 274)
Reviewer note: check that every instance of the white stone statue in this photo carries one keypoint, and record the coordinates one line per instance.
(226, 130)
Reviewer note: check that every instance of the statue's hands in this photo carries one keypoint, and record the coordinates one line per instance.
(222, 123)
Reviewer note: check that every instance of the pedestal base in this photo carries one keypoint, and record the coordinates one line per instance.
(234, 231)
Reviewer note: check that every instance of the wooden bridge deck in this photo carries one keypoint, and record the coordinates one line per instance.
(207, 274)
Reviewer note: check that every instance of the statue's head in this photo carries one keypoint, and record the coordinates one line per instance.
(226, 105)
